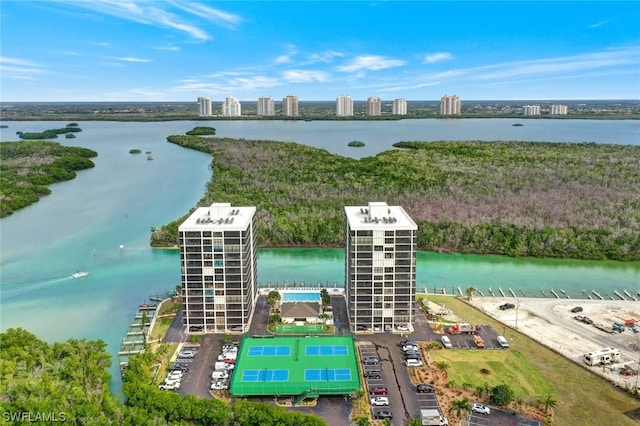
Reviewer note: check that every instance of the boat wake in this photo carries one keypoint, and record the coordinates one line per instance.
(25, 288)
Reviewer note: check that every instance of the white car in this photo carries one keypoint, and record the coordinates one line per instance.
(380, 400)
(169, 385)
(171, 377)
(219, 385)
(403, 327)
(410, 348)
(186, 354)
(479, 408)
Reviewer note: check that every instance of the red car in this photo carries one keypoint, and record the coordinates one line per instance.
(378, 390)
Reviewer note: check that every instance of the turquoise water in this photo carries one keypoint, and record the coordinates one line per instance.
(83, 223)
(300, 297)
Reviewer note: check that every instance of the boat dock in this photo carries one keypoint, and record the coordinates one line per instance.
(138, 333)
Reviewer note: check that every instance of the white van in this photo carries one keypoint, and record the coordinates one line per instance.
(503, 342)
(414, 363)
(446, 342)
(220, 374)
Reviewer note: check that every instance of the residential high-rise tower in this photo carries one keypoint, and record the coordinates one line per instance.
(380, 266)
(374, 105)
(400, 107)
(266, 106)
(204, 106)
(344, 106)
(231, 107)
(218, 267)
(290, 106)
(450, 105)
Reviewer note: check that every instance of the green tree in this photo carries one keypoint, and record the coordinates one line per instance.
(459, 407)
(442, 366)
(273, 298)
(502, 394)
(470, 292)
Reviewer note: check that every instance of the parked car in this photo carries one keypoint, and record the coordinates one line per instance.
(229, 346)
(195, 328)
(361, 327)
(579, 317)
(587, 320)
(506, 306)
(370, 360)
(380, 400)
(576, 309)
(479, 408)
(219, 385)
(403, 327)
(408, 343)
(187, 354)
(372, 374)
(378, 390)
(179, 367)
(382, 414)
(169, 386)
(410, 348)
(176, 374)
(425, 388)
(413, 363)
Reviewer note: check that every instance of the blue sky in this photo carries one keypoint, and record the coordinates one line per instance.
(174, 50)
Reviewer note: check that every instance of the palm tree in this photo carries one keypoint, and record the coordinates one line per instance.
(414, 422)
(548, 402)
(442, 366)
(470, 291)
(459, 407)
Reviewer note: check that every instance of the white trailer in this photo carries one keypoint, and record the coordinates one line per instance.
(602, 356)
(433, 417)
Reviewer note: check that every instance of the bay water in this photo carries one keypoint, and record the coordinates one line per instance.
(82, 225)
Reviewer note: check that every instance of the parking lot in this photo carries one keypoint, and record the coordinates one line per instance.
(404, 402)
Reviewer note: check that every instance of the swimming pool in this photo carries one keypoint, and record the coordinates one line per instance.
(301, 297)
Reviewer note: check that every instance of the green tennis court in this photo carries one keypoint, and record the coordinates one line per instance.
(296, 366)
(299, 329)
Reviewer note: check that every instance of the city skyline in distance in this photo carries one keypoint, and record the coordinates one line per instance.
(172, 51)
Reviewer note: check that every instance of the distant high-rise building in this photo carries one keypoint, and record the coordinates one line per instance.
(344, 106)
(266, 106)
(559, 110)
(290, 106)
(374, 105)
(218, 262)
(231, 107)
(204, 106)
(531, 110)
(450, 105)
(380, 266)
(400, 107)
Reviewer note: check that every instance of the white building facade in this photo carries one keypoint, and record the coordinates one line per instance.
(266, 106)
(380, 266)
(290, 106)
(558, 110)
(374, 106)
(531, 110)
(450, 105)
(204, 106)
(399, 107)
(344, 106)
(218, 268)
(231, 107)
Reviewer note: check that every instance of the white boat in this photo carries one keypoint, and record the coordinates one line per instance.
(79, 275)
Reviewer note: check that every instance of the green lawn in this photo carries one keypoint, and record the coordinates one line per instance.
(505, 367)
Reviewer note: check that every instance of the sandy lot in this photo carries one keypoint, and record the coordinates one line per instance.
(551, 322)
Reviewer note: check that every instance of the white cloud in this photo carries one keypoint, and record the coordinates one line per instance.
(371, 62)
(600, 24)
(19, 69)
(326, 56)
(149, 13)
(132, 59)
(305, 76)
(283, 59)
(437, 57)
(567, 64)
